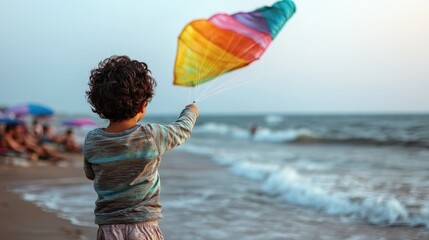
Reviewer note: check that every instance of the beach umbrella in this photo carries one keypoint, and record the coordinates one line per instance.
(6, 120)
(79, 122)
(30, 109)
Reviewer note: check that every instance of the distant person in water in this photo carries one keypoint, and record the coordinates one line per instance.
(124, 157)
(252, 131)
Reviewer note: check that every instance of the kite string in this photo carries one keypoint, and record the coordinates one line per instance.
(236, 82)
(189, 95)
(231, 84)
(221, 91)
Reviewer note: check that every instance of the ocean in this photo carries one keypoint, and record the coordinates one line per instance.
(365, 176)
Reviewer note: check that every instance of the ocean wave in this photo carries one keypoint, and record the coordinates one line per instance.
(377, 208)
(364, 141)
(263, 134)
(292, 183)
(305, 136)
(274, 119)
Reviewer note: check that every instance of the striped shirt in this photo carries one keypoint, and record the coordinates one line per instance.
(124, 167)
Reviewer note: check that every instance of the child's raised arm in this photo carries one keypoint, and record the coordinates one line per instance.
(174, 134)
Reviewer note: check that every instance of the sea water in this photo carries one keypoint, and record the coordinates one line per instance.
(348, 170)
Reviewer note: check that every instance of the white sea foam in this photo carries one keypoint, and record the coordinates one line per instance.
(273, 119)
(263, 134)
(375, 208)
(325, 193)
(267, 135)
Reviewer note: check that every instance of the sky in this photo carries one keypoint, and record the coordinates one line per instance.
(333, 56)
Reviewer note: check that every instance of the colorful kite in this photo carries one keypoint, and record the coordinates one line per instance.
(210, 47)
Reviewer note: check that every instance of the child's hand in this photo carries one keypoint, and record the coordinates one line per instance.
(193, 106)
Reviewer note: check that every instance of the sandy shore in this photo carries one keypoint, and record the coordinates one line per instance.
(20, 219)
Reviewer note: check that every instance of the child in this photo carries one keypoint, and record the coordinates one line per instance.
(123, 158)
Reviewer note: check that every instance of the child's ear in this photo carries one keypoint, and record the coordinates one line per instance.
(143, 107)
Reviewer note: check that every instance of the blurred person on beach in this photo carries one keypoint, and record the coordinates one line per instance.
(32, 144)
(36, 128)
(47, 136)
(69, 143)
(51, 142)
(123, 158)
(19, 140)
(63, 142)
(8, 140)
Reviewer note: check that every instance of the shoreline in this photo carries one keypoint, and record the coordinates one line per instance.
(21, 219)
(24, 219)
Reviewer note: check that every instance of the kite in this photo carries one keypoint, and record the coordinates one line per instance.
(210, 47)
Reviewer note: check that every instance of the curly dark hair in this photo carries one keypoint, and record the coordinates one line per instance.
(118, 87)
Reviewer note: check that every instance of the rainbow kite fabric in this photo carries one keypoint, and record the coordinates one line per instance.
(210, 47)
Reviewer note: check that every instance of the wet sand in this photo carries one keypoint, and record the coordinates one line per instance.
(20, 219)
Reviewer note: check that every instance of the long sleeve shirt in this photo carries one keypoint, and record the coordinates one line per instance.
(124, 168)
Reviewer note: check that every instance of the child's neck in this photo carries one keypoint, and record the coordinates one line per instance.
(120, 126)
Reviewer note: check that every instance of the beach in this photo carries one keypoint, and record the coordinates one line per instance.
(20, 219)
(201, 200)
(295, 177)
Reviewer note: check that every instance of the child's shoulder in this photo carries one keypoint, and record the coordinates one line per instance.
(93, 132)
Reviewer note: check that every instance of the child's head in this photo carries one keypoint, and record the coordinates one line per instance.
(119, 87)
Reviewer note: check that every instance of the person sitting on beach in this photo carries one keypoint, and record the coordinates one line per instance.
(44, 152)
(69, 142)
(29, 144)
(11, 142)
(123, 158)
(36, 128)
(47, 136)
(8, 139)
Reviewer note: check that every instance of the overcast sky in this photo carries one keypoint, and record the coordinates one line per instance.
(333, 56)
